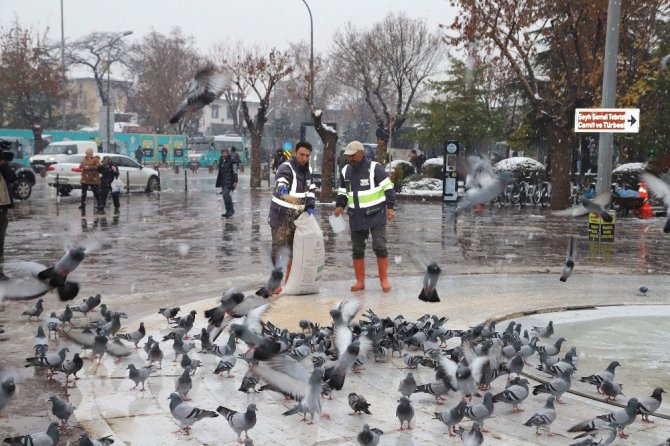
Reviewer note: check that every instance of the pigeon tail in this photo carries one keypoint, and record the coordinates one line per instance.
(429, 295)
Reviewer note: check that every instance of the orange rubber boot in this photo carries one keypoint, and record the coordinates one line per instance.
(383, 266)
(359, 271)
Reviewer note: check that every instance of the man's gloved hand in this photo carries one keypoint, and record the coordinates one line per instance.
(283, 190)
(310, 211)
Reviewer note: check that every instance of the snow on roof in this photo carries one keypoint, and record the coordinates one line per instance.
(390, 167)
(630, 168)
(518, 163)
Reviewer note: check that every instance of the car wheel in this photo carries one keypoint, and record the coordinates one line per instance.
(153, 185)
(64, 191)
(23, 189)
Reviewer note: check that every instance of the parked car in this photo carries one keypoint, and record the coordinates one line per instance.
(66, 175)
(59, 151)
(25, 180)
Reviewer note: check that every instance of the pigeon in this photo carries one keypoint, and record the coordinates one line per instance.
(40, 342)
(87, 305)
(181, 348)
(473, 437)
(432, 274)
(516, 364)
(186, 414)
(71, 367)
(135, 336)
(358, 404)
(514, 395)
(84, 440)
(35, 311)
(99, 347)
(605, 375)
(249, 382)
(186, 361)
(169, 313)
(661, 190)
(238, 421)
(368, 437)
(600, 436)
(7, 390)
(53, 325)
(570, 259)
(459, 376)
(597, 205)
(452, 416)
(208, 84)
(345, 312)
(554, 349)
(184, 384)
(543, 417)
(61, 409)
(48, 438)
(643, 290)
(66, 315)
(407, 385)
(556, 387)
(437, 389)
(404, 412)
(485, 191)
(482, 411)
(51, 362)
(156, 355)
(148, 344)
(610, 390)
(273, 285)
(226, 365)
(621, 418)
(649, 405)
(138, 375)
(545, 332)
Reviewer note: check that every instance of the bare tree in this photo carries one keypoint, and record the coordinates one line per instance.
(388, 64)
(221, 52)
(31, 80)
(164, 65)
(255, 72)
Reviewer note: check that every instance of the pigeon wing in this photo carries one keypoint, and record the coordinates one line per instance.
(658, 187)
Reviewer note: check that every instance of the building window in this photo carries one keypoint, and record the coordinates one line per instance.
(215, 111)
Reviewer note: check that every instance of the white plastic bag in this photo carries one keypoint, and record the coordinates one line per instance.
(117, 186)
(337, 223)
(309, 257)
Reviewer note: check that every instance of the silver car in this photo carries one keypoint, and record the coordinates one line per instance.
(66, 175)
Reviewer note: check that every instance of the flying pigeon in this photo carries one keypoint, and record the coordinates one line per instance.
(597, 205)
(485, 192)
(186, 414)
(432, 274)
(661, 190)
(273, 285)
(208, 85)
(569, 259)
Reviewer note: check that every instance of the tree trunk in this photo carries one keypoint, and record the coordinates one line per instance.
(329, 139)
(255, 169)
(561, 153)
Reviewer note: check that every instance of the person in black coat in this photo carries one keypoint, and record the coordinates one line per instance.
(108, 173)
(7, 178)
(226, 179)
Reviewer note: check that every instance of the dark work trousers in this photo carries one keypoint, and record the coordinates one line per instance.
(227, 200)
(358, 239)
(281, 237)
(94, 188)
(104, 192)
(4, 222)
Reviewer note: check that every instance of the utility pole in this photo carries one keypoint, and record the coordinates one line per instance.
(109, 98)
(606, 140)
(311, 56)
(62, 57)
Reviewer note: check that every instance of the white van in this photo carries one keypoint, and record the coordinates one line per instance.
(58, 151)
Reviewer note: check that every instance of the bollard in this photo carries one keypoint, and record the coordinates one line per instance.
(127, 182)
(176, 169)
(57, 189)
(43, 171)
(185, 180)
(211, 168)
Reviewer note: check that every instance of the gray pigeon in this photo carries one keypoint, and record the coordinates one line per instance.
(482, 411)
(138, 375)
(184, 384)
(514, 395)
(186, 414)
(51, 362)
(431, 276)
(207, 86)
(48, 438)
(71, 367)
(99, 347)
(226, 365)
(135, 336)
(544, 332)
(483, 193)
(53, 325)
(66, 315)
(473, 437)
(556, 387)
(659, 188)
(407, 385)
(570, 259)
(7, 390)
(452, 416)
(156, 355)
(611, 390)
(437, 389)
(600, 436)
(240, 422)
(61, 409)
(597, 205)
(40, 343)
(543, 417)
(550, 349)
(368, 437)
(404, 412)
(605, 375)
(358, 404)
(84, 440)
(621, 418)
(650, 404)
(36, 311)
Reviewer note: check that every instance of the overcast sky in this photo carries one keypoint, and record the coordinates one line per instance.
(265, 22)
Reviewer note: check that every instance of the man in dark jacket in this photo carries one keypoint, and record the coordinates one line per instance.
(7, 178)
(226, 179)
(293, 195)
(367, 194)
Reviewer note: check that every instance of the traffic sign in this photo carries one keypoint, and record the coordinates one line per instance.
(607, 120)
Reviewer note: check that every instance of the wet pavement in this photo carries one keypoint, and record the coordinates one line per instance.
(174, 248)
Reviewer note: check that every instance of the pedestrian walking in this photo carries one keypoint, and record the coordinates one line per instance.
(226, 179)
(90, 178)
(367, 194)
(293, 194)
(108, 173)
(7, 178)
(138, 154)
(164, 154)
(280, 157)
(235, 156)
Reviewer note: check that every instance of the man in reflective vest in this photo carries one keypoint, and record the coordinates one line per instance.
(367, 194)
(293, 194)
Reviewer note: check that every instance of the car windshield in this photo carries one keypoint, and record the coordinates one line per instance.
(59, 149)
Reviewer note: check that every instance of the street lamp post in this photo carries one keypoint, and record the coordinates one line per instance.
(62, 57)
(311, 55)
(109, 65)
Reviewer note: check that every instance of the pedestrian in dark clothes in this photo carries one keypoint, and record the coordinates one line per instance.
(226, 179)
(108, 173)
